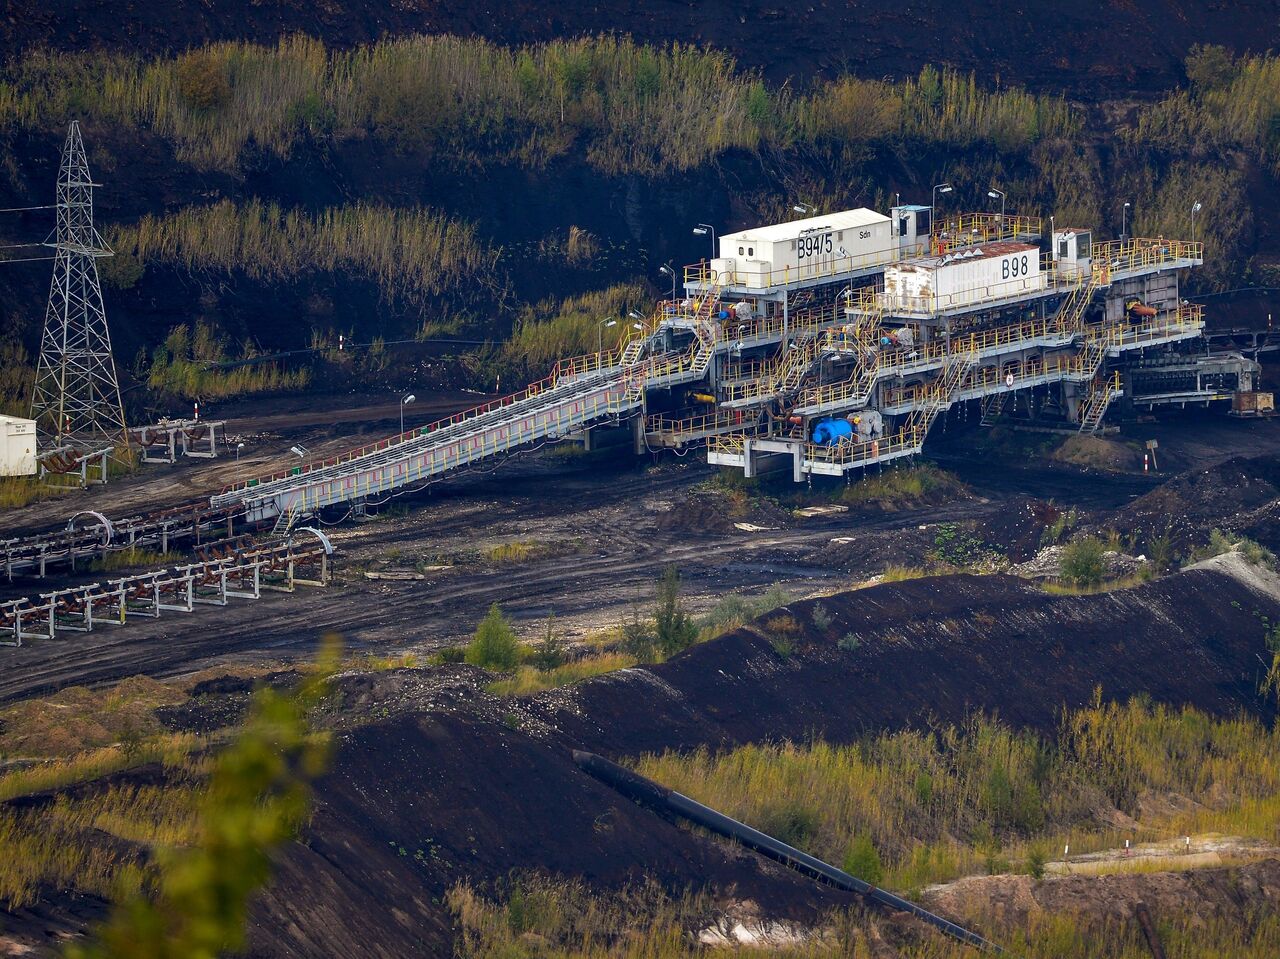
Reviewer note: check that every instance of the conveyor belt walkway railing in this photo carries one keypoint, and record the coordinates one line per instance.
(577, 394)
(242, 572)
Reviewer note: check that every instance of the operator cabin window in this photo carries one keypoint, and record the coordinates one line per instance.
(751, 251)
(1062, 248)
(740, 251)
(1084, 248)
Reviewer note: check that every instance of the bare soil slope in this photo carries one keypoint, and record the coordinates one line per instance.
(941, 647)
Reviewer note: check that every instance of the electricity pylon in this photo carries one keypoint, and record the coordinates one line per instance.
(77, 397)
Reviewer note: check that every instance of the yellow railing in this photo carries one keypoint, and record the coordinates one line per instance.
(693, 425)
(730, 444)
(969, 228)
(865, 451)
(1095, 406)
(1138, 252)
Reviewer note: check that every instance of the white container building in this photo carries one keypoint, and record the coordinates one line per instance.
(17, 446)
(764, 257)
(981, 274)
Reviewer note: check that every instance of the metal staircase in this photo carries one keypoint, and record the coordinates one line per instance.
(940, 394)
(1101, 392)
(284, 522)
(993, 407)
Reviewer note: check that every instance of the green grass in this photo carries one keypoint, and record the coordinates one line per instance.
(735, 610)
(957, 799)
(133, 556)
(519, 551)
(186, 365)
(901, 487)
(626, 108)
(528, 680)
(531, 915)
(24, 490)
(411, 253)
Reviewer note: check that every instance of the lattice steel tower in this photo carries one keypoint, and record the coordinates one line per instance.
(77, 396)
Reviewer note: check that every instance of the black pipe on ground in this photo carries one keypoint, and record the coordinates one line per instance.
(646, 791)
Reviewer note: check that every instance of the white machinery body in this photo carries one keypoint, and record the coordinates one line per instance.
(767, 256)
(992, 271)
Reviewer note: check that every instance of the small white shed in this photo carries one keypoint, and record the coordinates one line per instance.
(17, 446)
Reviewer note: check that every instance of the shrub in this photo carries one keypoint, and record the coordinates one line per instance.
(549, 653)
(1062, 524)
(1221, 542)
(495, 645)
(783, 632)
(1036, 860)
(673, 629)
(790, 822)
(639, 639)
(202, 81)
(849, 642)
(821, 617)
(863, 860)
(1082, 563)
(450, 654)
(1160, 553)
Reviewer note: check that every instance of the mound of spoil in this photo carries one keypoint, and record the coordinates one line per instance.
(1235, 894)
(1018, 530)
(1047, 564)
(938, 648)
(1097, 452)
(717, 511)
(435, 782)
(1190, 504)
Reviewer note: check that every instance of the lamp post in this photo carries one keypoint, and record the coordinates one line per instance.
(998, 195)
(805, 208)
(239, 447)
(933, 204)
(1195, 208)
(405, 401)
(600, 333)
(666, 269)
(1124, 221)
(702, 229)
(299, 451)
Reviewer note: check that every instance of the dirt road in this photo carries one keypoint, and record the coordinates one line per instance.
(598, 530)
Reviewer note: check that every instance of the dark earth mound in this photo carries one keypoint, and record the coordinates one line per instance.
(1237, 494)
(936, 649)
(436, 782)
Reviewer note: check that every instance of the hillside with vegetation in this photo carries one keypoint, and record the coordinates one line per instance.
(439, 186)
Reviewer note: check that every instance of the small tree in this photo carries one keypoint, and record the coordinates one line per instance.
(862, 861)
(495, 645)
(548, 654)
(1036, 860)
(675, 630)
(202, 81)
(1082, 561)
(639, 639)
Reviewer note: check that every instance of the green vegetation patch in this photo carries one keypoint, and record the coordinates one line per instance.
(961, 799)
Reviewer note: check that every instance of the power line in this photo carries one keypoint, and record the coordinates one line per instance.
(24, 209)
(14, 246)
(29, 259)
